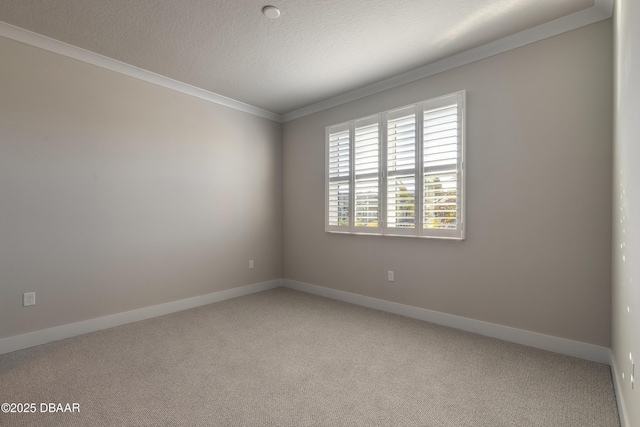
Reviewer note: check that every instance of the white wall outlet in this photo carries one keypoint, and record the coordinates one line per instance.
(250, 263)
(391, 276)
(28, 298)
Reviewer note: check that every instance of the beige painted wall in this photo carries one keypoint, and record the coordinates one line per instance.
(626, 206)
(118, 194)
(537, 253)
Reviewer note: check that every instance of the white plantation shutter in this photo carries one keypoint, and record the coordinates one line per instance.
(339, 167)
(367, 174)
(399, 172)
(442, 167)
(401, 168)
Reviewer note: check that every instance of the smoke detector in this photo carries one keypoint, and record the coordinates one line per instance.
(271, 12)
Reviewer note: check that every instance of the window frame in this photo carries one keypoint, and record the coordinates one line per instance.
(419, 171)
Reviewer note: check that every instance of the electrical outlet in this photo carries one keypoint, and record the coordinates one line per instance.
(391, 276)
(28, 298)
(250, 263)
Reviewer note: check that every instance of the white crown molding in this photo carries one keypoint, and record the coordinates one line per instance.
(602, 9)
(592, 352)
(37, 40)
(43, 336)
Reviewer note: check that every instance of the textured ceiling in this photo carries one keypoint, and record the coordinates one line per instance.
(317, 49)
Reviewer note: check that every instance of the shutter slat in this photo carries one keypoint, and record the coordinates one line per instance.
(441, 134)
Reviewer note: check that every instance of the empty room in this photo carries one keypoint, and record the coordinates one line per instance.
(319, 213)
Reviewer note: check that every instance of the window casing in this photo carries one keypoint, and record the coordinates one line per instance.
(400, 172)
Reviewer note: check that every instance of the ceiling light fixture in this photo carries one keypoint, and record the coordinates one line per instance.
(271, 12)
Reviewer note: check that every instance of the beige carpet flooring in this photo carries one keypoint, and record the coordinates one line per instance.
(286, 358)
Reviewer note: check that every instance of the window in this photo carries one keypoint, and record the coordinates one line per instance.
(400, 172)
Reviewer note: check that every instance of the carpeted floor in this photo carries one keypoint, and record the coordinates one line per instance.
(286, 358)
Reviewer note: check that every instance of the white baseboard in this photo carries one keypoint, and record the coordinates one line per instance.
(31, 339)
(582, 350)
(594, 353)
(617, 385)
